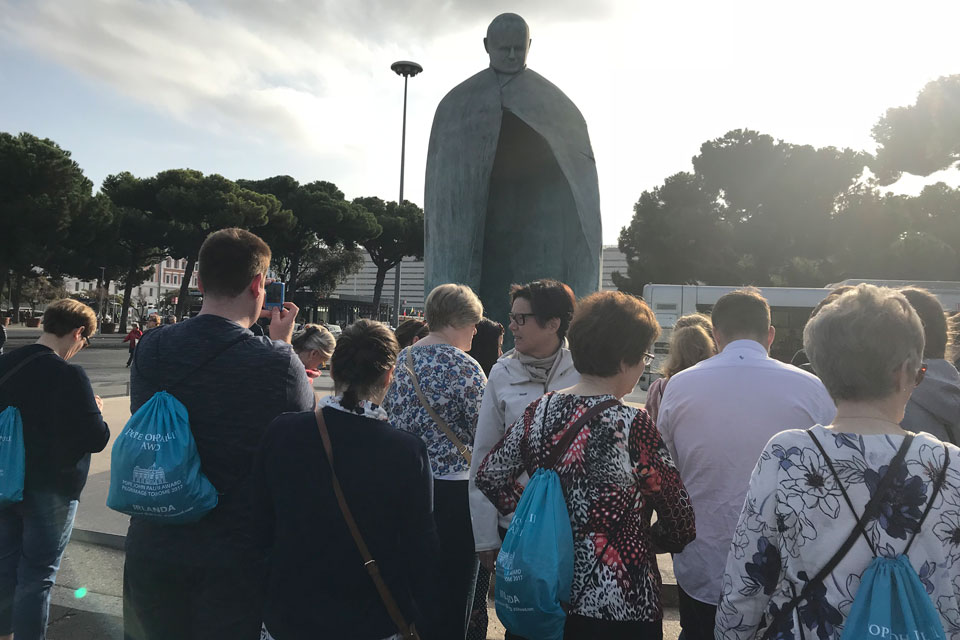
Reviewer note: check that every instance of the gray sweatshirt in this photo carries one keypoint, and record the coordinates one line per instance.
(934, 406)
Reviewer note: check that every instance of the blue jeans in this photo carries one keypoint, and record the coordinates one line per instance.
(33, 535)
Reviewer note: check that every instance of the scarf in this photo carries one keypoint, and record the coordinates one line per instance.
(367, 409)
(540, 370)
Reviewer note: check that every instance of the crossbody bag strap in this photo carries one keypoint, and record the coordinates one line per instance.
(407, 631)
(574, 430)
(869, 513)
(22, 364)
(568, 437)
(447, 431)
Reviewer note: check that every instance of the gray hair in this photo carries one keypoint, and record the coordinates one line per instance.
(452, 305)
(314, 336)
(857, 343)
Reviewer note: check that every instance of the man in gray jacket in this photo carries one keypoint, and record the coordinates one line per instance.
(934, 406)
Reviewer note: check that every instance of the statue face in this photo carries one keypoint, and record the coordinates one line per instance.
(508, 42)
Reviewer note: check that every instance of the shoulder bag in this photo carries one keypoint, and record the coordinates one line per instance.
(447, 431)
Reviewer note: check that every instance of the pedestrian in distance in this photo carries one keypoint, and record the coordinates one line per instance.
(934, 406)
(799, 558)
(133, 338)
(206, 579)
(615, 474)
(385, 479)
(62, 426)
(715, 418)
(540, 361)
(314, 345)
(410, 331)
(691, 342)
(436, 395)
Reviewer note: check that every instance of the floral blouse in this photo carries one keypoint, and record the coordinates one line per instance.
(617, 467)
(795, 518)
(453, 383)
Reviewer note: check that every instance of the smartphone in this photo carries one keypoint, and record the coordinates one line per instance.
(275, 294)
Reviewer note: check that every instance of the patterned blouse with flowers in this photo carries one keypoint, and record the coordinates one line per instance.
(453, 384)
(795, 518)
(617, 467)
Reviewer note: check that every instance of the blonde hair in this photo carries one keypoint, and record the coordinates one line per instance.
(688, 346)
(452, 305)
(314, 336)
(857, 342)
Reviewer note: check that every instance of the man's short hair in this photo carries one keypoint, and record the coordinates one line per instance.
(742, 313)
(452, 305)
(934, 321)
(610, 328)
(229, 259)
(548, 299)
(64, 316)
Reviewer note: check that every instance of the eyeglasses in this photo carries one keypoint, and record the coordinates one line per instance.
(648, 358)
(519, 318)
(921, 372)
(86, 341)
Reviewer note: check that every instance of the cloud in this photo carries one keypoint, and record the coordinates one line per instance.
(293, 70)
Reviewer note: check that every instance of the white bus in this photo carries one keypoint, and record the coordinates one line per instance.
(790, 309)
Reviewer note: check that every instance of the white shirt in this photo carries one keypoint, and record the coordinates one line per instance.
(715, 419)
(508, 393)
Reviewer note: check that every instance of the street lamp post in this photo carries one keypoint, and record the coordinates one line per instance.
(406, 69)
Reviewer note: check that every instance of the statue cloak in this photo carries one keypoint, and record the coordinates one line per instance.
(460, 162)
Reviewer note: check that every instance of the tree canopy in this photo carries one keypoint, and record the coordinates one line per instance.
(921, 138)
(401, 236)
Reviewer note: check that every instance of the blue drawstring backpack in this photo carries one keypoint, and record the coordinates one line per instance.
(13, 463)
(535, 564)
(891, 602)
(155, 469)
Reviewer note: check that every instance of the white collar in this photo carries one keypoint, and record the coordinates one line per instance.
(754, 348)
(366, 409)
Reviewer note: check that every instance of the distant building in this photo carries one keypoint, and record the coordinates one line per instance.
(167, 275)
(613, 260)
(359, 286)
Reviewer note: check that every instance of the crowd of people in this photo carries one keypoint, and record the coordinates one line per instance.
(378, 512)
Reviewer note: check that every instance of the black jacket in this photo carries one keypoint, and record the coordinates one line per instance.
(62, 424)
(318, 587)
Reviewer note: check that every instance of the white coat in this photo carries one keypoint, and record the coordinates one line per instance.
(509, 392)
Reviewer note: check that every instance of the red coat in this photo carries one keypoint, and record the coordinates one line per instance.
(133, 337)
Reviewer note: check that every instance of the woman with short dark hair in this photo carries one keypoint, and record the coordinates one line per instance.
(385, 477)
(615, 475)
(410, 331)
(62, 426)
(540, 316)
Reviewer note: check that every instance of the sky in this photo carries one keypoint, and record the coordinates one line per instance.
(256, 88)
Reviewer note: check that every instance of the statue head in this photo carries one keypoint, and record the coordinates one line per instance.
(507, 42)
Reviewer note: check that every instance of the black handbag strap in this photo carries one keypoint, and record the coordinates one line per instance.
(869, 513)
(551, 460)
(20, 365)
